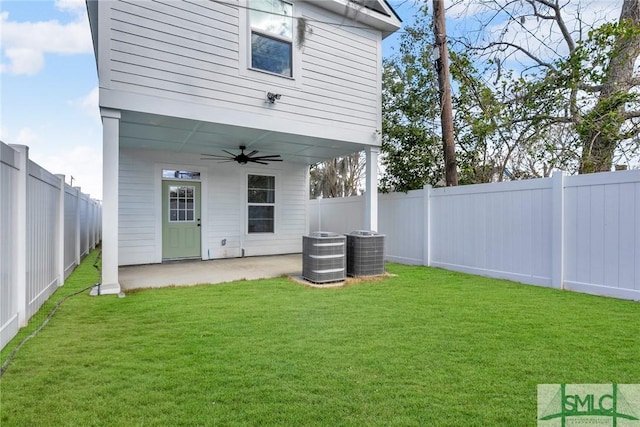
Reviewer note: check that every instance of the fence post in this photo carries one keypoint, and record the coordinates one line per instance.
(77, 243)
(319, 226)
(90, 226)
(90, 246)
(60, 231)
(20, 243)
(557, 230)
(93, 225)
(99, 224)
(426, 251)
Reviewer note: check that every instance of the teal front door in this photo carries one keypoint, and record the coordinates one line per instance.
(180, 220)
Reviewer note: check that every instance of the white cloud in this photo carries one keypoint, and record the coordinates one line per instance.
(26, 136)
(83, 162)
(23, 61)
(72, 5)
(89, 104)
(4, 134)
(24, 44)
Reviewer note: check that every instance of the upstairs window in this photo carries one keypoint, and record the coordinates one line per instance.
(271, 36)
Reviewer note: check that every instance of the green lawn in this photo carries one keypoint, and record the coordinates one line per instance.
(427, 347)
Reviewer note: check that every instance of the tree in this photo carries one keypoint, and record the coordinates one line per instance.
(486, 131)
(339, 177)
(591, 87)
(522, 108)
(495, 144)
(411, 150)
(602, 128)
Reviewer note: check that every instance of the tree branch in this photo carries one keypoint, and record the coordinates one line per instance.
(590, 88)
(566, 34)
(518, 48)
(634, 81)
(634, 114)
(551, 119)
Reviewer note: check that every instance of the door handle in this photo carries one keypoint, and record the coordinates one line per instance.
(198, 222)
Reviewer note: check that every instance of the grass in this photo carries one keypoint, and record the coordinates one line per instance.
(426, 347)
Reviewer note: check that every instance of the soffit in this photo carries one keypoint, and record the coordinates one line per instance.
(176, 135)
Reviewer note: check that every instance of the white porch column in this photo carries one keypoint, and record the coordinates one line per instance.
(110, 173)
(371, 194)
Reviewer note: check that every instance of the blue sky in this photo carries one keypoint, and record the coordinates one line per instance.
(48, 88)
(48, 81)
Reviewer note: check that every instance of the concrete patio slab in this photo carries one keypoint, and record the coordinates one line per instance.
(193, 272)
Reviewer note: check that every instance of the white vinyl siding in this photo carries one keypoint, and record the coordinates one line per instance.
(226, 202)
(225, 220)
(137, 238)
(181, 54)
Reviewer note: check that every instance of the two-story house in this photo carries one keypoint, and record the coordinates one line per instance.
(185, 84)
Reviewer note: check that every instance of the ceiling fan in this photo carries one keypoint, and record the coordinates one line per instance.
(243, 158)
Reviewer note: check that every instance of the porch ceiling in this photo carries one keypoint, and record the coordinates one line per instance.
(173, 134)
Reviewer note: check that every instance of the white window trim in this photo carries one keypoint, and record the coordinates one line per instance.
(244, 56)
(274, 204)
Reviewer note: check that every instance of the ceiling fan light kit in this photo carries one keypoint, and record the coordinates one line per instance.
(243, 158)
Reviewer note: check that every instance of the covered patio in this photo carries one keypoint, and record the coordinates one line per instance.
(185, 273)
(136, 148)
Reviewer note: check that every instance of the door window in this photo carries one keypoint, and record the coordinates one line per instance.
(182, 203)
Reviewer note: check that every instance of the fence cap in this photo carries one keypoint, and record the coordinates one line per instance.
(324, 234)
(364, 233)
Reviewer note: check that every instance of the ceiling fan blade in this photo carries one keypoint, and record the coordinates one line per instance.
(243, 158)
(214, 157)
(268, 155)
(268, 158)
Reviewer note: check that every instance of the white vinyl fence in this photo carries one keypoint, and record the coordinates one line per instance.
(568, 232)
(46, 227)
